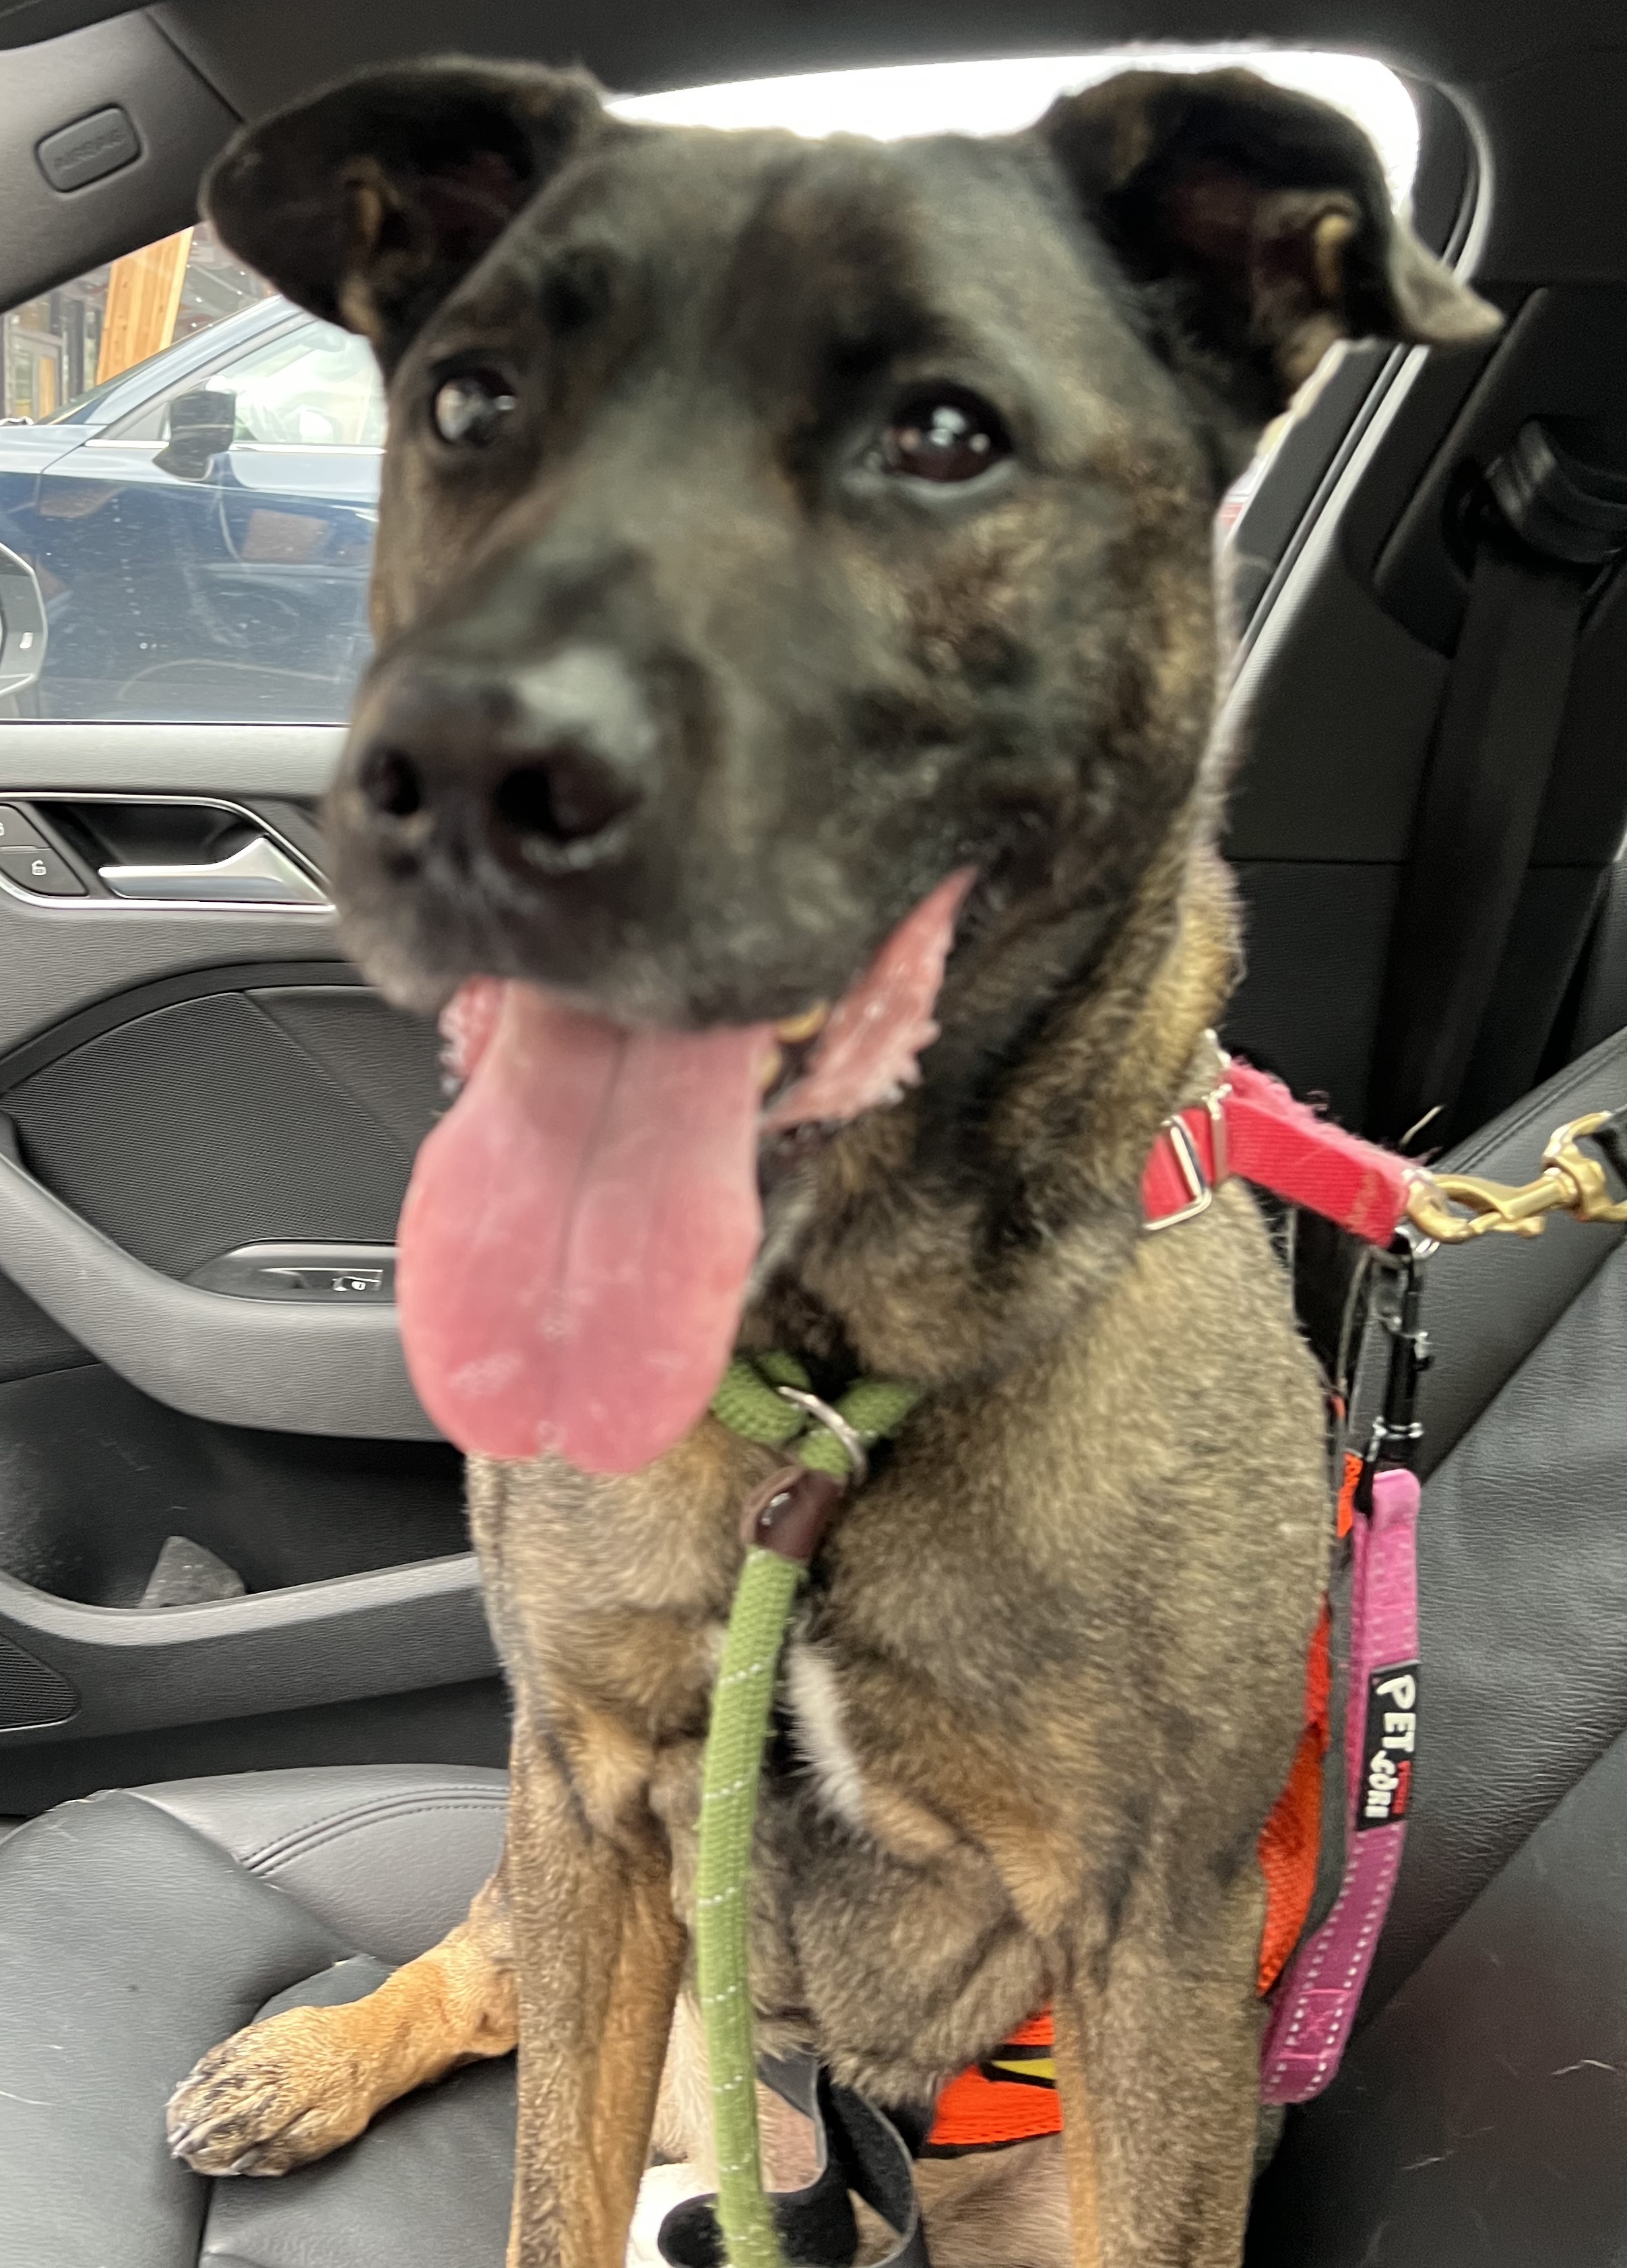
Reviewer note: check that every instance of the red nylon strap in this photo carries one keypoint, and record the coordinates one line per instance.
(1267, 1138)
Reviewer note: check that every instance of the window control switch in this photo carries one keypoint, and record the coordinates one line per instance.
(350, 1275)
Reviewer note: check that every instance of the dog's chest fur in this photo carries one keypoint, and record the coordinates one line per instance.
(1059, 1640)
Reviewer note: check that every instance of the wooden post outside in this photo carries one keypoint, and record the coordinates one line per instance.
(143, 297)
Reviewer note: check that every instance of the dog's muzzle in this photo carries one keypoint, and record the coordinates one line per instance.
(545, 766)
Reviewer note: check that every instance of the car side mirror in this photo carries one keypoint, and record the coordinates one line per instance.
(22, 625)
(202, 426)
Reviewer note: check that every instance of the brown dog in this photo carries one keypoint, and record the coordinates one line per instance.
(779, 540)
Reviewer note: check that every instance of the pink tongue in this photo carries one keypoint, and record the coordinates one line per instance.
(576, 1239)
(575, 1243)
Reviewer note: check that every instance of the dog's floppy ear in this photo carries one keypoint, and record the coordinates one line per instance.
(1256, 223)
(367, 202)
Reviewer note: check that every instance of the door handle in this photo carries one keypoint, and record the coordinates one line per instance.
(261, 874)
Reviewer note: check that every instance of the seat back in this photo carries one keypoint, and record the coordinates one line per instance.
(1502, 1972)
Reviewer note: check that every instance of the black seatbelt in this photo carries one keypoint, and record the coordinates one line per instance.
(1555, 522)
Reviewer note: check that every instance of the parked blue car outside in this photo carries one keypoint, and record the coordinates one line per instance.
(198, 532)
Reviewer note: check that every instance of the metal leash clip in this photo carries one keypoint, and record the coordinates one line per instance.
(1457, 1208)
(1398, 1306)
(834, 1423)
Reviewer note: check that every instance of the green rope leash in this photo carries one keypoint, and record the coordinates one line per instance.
(739, 1720)
(749, 1404)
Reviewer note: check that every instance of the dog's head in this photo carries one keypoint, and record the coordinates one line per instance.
(779, 540)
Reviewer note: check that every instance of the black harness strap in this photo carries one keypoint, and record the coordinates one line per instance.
(860, 2151)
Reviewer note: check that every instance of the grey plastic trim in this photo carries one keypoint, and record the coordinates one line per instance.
(289, 1366)
(89, 150)
(208, 759)
(397, 1630)
(54, 963)
(56, 956)
(268, 873)
(48, 83)
(261, 874)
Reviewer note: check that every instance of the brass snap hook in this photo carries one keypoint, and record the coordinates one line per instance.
(1457, 1208)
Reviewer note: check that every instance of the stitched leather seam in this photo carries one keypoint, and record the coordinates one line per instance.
(380, 1807)
(283, 1852)
(402, 1799)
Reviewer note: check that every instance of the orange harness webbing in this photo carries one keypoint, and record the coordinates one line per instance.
(1010, 2096)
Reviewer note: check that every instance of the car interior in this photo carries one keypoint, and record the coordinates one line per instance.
(241, 1636)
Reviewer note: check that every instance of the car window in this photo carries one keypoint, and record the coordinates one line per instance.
(304, 384)
(211, 563)
(71, 347)
(188, 473)
(314, 388)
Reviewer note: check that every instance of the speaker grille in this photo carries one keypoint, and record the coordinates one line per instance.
(32, 1692)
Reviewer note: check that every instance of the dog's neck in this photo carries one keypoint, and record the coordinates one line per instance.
(952, 1236)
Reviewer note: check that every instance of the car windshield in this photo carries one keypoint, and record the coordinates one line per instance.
(1001, 95)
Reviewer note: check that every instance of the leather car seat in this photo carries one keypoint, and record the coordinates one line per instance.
(1478, 2115)
(139, 1926)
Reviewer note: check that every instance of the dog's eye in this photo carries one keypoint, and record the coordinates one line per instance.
(944, 436)
(470, 408)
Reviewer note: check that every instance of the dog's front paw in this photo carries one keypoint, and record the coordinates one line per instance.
(273, 2096)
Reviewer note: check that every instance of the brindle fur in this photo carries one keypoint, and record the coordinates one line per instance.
(1048, 1677)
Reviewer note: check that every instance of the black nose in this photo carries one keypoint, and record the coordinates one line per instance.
(543, 764)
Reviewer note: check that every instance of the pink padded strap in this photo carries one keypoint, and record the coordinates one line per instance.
(1315, 2003)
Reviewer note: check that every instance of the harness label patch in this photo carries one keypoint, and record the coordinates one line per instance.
(1389, 1746)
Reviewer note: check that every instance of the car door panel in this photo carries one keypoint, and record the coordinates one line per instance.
(185, 1168)
(58, 959)
(306, 1368)
(401, 1629)
(180, 1082)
